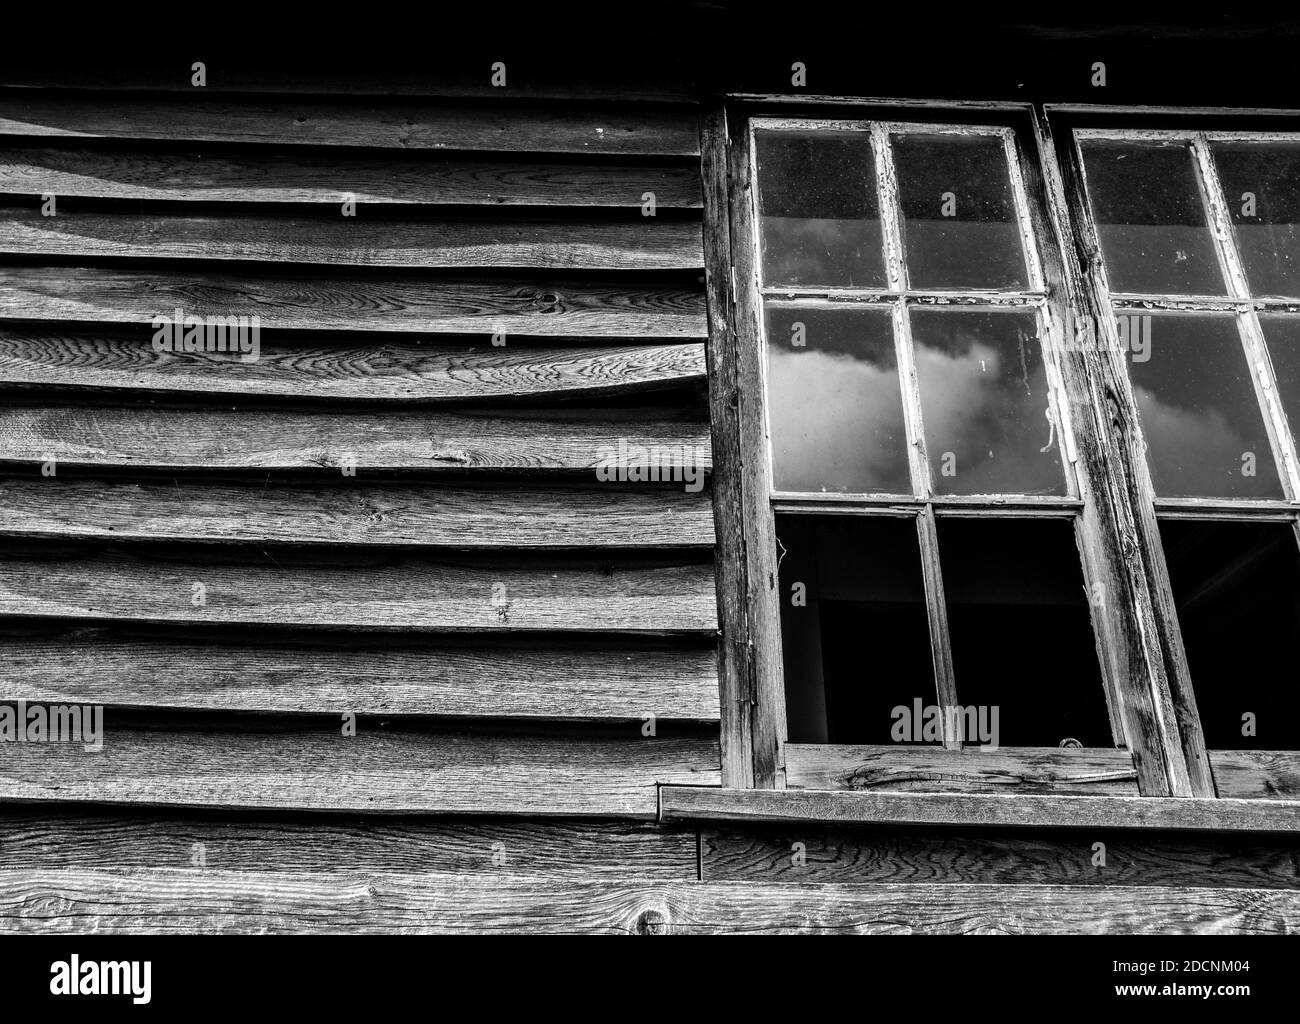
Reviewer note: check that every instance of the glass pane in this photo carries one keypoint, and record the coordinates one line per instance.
(1237, 591)
(984, 403)
(819, 218)
(1021, 632)
(834, 401)
(1282, 334)
(959, 221)
(1151, 219)
(1261, 184)
(1202, 422)
(855, 638)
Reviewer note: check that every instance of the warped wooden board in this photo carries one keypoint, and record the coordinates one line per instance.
(413, 516)
(838, 807)
(72, 901)
(467, 682)
(394, 369)
(497, 127)
(971, 770)
(663, 86)
(405, 594)
(645, 243)
(373, 771)
(1003, 856)
(258, 177)
(42, 837)
(249, 439)
(1257, 774)
(439, 306)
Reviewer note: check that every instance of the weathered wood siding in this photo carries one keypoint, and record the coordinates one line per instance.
(393, 513)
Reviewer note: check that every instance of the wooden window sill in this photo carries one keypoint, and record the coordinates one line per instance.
(694, 803)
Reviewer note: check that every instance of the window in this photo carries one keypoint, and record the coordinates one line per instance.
(1201, 269)
(1016, 463)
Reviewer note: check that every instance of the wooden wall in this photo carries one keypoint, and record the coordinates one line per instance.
(393, 513)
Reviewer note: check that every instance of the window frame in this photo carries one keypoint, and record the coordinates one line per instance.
(1148, 707)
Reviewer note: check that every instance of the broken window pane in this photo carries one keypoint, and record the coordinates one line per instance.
(1203, 426)
(959, 220)
(819, 217)
(1021, 631)
(1261, 184)
(1237, 591)
(854, 632)
(834, 401)
(1282, 335)
(984, 402)
(1151, 219)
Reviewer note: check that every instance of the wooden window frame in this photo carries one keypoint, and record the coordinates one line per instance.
(1145, 709)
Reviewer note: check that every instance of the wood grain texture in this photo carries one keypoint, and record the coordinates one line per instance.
(497, 127)
(970, 770)
(569, 308)
(67, 901)
(1001, 857)
(42, 837)
(341, 368)
(415, 516)
(465, 682)
(678, 803)
(645, 243)
(248, 439)
(1257, 774)
(258, 177)
(403, 594)
(373, 771)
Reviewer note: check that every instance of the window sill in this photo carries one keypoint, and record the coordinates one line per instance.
(694, 803)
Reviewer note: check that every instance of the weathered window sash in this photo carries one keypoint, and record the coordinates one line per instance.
(1114, 525)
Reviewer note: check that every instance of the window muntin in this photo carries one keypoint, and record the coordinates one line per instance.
(982, 419)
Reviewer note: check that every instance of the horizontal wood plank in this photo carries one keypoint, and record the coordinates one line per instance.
(439, 516)
(971, 770)
(682, 803)
(646, 243)
(407, 594)
(42, 837)
(464, 682)
(248, 439)
(372, 771)
(1257, 774)
(257, 177)
(1000, 857)
(497, 127)
(436, 306)
(70, 901)
(390, 369)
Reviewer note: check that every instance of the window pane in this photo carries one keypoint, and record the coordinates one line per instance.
(959, 221)
(1282, 334)
(834, 401)
(1151, 218)
(1261, 184)
(854, 632)
(819, 217)
(1021, 631)
(1203, 426)
(984, 403)
(1237, 591)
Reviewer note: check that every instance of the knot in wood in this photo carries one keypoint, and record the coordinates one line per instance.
(652, 921)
